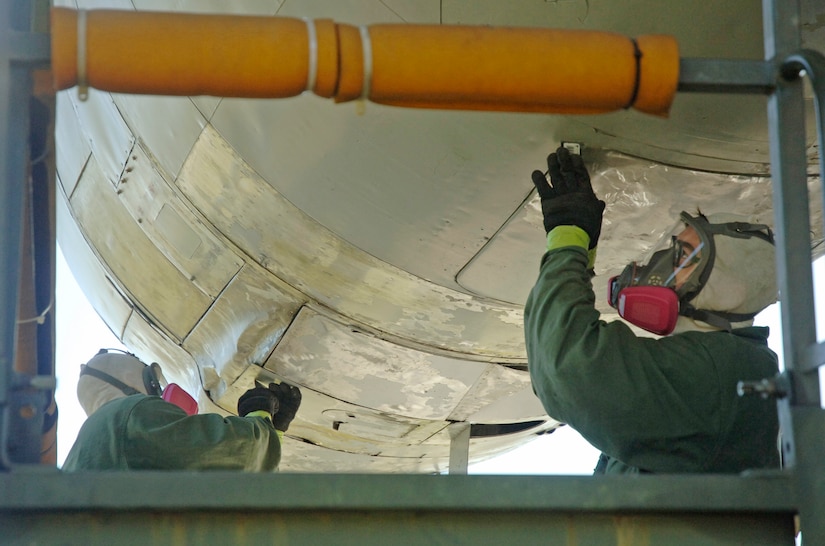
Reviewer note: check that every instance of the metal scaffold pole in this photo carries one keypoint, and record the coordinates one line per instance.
(22, 398)
(801, 417)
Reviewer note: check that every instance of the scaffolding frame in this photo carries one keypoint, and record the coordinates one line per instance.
(40, 504)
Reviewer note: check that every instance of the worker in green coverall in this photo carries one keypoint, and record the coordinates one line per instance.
(664, 404)
(132, 426)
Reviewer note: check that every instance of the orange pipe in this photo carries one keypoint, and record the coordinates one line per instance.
(182, 54)
(483, 68)
(421, 66)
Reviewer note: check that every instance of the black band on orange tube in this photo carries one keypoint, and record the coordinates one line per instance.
(637, 54)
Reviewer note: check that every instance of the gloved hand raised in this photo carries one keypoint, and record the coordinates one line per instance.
(570, 201)
(289, 397)
(257, 399)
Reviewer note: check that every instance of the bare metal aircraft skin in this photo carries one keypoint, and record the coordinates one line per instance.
(380, 257)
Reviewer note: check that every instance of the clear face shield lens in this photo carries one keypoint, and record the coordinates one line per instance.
(685, 258)
(671, 262)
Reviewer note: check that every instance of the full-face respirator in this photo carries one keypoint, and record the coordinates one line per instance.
(655, 291)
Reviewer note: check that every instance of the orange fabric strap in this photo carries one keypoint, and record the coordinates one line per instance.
(421, 66)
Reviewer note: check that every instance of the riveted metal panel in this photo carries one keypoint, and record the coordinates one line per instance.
(173, 228)
(500, 395)
(165, 295)
(168, 126)
(109, 137)
(710, 132)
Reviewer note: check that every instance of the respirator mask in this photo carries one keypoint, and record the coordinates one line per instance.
(653, 292)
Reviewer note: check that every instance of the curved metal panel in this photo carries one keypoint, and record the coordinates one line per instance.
(643, 198)
(109, 136)
(74, 149)
(152, 345)
(161, 291)
(173, 228)
(168, 126)
(308, 257)
(91, 276)
(341, 361)
(329, 433)
(422, 190)
(242, 327)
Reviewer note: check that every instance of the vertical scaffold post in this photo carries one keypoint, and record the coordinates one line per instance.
(20, 51)
(801, 417)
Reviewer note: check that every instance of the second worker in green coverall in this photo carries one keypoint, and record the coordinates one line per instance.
(132, 426)
(666, 404)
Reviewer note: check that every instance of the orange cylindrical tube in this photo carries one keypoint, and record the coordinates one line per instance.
(421, 66)
(351, 57)
(183, 54)
(484, 68)
(658, 74)
(328, 66)
(64, 47)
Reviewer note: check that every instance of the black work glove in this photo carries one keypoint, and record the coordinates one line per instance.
(289, 398)
(256, 399)
(570, 201)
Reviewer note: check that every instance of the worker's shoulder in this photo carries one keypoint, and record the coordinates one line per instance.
(758, 334)
(124, 402)
(735, 351)
(749, 334)
(126, 406)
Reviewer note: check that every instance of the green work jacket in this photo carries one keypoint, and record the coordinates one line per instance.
(664, 405)
(141, 432)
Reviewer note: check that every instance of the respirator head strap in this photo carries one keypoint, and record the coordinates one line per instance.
(719, 319)
(106, 378)
(743, 230)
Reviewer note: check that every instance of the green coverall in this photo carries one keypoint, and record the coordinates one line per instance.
(141, 432)
(665, 405)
